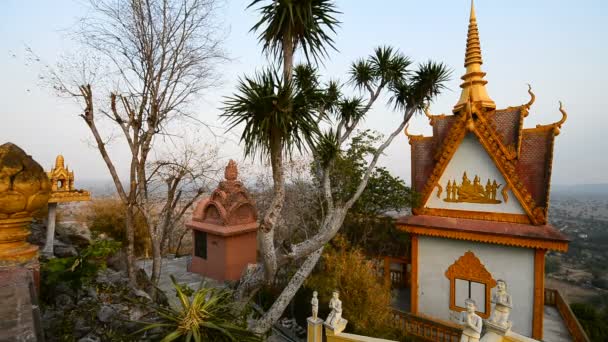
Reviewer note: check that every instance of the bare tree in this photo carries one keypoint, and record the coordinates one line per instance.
(160, 55)
(175, 183)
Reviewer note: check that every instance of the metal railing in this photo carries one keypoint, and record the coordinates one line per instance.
(426, 329)
(554, 298)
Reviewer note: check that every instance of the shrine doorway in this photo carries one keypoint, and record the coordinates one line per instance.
(397, 271)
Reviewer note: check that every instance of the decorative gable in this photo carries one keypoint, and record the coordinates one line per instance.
(472, 182)
(525, 163)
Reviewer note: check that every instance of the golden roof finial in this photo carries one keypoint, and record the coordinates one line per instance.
(472, 15)
(59, 162)
(474, 86)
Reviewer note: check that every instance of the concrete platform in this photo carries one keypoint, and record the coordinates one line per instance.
(178, 267)
(19, 312)
(554, 328)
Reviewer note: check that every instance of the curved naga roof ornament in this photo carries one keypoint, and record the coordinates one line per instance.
(411, 137)
(526, 107)
(431, 117)
(556, 125)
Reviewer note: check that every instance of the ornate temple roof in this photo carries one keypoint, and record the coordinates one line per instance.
(229, 210)
(523, 155)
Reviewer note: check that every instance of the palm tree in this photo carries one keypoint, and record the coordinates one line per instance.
(278, 115)
(286, 25)
(278, 122)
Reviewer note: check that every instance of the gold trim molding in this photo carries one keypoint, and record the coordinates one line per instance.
(560, 246)
(474, 215)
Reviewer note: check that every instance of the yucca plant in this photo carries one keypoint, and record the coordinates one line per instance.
(207, 316)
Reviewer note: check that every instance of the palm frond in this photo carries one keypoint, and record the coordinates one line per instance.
(389, 65)
(272, 108)
(423, 86)
(361, 74)
(350, 110)
(331, 96)
(328, 148)
(305, 76)
(306, 23)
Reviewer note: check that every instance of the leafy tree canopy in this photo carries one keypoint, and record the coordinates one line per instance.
(369, 224)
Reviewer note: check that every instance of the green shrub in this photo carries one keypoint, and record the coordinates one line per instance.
(78, 270)
(594, 322)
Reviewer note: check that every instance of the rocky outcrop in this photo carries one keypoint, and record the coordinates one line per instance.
(74, 232)
(106, 310)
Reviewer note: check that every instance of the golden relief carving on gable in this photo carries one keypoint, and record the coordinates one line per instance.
(472, 191)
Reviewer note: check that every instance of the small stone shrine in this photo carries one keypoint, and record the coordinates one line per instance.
(63, 191)
(224, 228)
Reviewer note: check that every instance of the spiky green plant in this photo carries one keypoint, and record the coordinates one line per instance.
(208, 316)
(286, 25)
(278, 115)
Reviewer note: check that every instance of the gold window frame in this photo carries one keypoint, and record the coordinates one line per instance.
(469, 267)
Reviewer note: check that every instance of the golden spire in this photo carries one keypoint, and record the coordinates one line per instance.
(474, 86)
(59, 162)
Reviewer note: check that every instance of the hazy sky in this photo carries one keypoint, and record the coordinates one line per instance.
(560, 47)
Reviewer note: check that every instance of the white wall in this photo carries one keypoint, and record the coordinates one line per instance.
(514, 265)
(473, 158)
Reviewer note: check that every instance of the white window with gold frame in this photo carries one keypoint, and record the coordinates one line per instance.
(470, 279)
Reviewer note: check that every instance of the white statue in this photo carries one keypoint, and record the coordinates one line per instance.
(471, 321)
(315, 305)
(502, 305)
(335, 304)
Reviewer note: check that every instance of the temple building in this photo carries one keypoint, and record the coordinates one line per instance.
(484, 182)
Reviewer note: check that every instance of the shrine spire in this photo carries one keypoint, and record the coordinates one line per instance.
(474, 85)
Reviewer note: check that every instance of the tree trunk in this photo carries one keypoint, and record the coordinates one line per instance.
(130, 250)
(287, 57)
(156, 258)
(273, 213)
(262, 325)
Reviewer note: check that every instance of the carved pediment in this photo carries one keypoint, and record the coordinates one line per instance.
(242, 213)
(214, 213)
(469, 267)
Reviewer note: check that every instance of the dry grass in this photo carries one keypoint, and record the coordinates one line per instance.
(107, 215)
